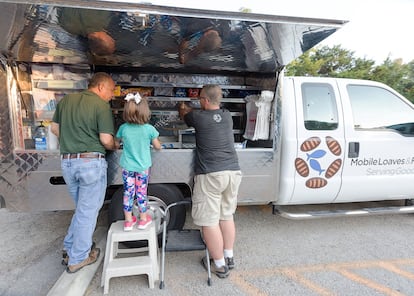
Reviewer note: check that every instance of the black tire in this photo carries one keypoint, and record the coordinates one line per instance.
(165, 192)
(159, 195)
(169, 194)
(115, 210)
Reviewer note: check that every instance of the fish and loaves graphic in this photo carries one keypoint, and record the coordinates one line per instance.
(313, 156)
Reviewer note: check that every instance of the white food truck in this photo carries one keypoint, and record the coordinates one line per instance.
(300, 140)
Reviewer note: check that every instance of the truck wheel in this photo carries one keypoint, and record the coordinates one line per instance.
(159, 195)
(169, 194)
(115, 210)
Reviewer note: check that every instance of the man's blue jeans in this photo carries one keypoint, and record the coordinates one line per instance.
(86, 179)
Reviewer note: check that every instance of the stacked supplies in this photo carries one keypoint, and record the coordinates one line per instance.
(258, 113)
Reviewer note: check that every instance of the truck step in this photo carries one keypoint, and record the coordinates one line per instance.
(279, 210)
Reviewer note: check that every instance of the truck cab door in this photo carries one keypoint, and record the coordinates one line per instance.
(379, 161)
(320, 141)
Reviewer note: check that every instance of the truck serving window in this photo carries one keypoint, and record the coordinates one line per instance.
(319, 106)
(376, 107)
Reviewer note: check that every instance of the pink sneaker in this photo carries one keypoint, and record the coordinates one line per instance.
(129, 224)
(142, 224)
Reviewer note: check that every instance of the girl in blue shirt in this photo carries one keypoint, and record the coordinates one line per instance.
(136, 135)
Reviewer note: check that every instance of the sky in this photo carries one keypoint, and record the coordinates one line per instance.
(377, 29)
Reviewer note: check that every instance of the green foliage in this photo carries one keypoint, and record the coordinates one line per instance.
(339, 62)
(245, 10)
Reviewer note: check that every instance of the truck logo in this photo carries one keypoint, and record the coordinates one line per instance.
(333, 146)
(313, 156)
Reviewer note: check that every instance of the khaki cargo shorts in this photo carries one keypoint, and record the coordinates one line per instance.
(215, 197)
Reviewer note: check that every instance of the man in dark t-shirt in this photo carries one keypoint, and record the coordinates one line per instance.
(217, 177)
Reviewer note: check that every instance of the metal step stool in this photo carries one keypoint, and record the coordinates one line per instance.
(117, 264)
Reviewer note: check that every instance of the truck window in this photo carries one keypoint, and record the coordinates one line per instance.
(319, 106)
(376, 107)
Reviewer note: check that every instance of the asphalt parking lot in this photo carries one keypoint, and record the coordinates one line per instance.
(30, 247)
(274, 256)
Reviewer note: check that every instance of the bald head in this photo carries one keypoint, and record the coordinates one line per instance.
(103, 85)
(100, 43)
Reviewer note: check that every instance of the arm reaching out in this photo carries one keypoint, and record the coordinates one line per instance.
(107, 141)
(156, 144)
(55, 129)
(183, 109)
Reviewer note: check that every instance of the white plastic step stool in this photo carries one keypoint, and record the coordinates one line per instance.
(114, 266)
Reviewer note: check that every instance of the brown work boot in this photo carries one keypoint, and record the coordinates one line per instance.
(65, 256)
(93, 256)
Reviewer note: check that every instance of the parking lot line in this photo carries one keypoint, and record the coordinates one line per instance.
(299, 278)
(366, 282)
(245, 286)
(393, 268)
(345, 269)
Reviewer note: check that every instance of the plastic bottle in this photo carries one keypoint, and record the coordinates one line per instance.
(40, 137)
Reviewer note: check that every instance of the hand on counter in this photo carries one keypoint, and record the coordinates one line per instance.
(183, 109)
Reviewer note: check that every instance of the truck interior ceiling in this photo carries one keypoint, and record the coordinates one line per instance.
(165, 53)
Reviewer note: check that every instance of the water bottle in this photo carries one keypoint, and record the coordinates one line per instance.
(40, 137)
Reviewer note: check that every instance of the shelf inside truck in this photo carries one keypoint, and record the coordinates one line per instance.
(61, 84)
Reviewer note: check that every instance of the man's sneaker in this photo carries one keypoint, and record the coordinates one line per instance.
(129, 224)
(65, 257)
(142, 224)
(93, 256)
(221, 272)
(229, 262)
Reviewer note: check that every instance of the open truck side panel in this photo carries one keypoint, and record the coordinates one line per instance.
(43, 54)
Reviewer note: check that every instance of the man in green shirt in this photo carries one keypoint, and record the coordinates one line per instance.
(83, 122)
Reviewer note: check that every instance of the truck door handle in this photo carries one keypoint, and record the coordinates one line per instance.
(353, 151)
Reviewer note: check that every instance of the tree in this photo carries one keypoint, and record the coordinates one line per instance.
(336, 60)
(245, 10)
(330, 62)
(305, 65)
(339, 62)
(408, 83)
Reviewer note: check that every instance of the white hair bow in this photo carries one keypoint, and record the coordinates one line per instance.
(136, 97)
